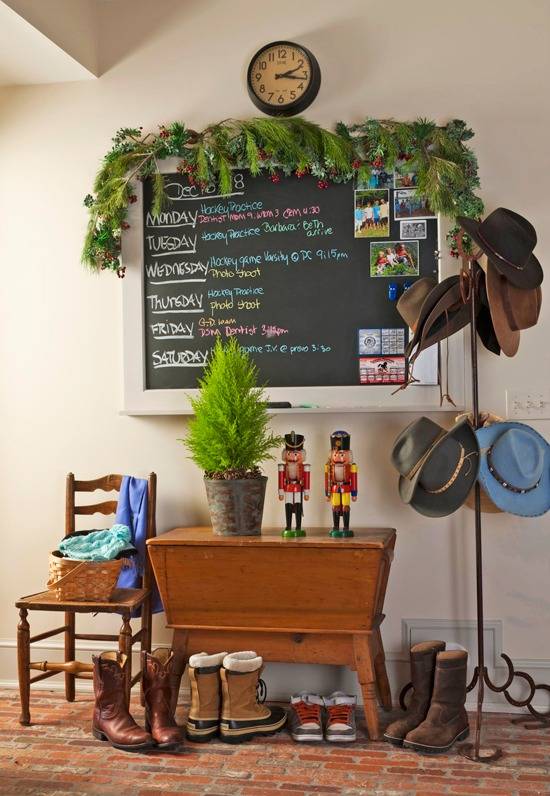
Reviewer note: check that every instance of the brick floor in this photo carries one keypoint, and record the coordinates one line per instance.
(56, 756)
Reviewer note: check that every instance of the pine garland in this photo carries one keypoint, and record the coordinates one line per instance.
(446, 167)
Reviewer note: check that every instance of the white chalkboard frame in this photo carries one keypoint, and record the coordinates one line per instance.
(137, 400)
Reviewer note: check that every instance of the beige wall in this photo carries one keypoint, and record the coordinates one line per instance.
(60, 328)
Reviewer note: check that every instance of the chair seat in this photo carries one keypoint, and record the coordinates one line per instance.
(122, 600)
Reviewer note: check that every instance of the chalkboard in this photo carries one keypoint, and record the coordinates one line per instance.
(278, 266)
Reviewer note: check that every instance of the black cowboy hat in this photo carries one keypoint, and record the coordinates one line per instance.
(437, 468)
(442, 314)
(508, 240)
(484, 322)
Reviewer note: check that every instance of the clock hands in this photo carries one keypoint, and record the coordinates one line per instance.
(290, 75)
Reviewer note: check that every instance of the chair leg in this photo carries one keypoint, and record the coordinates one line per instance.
(23, 660)
(146, 620)
(69, 655)
(125, 646)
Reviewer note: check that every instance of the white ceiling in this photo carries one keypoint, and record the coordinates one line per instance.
(29, 56)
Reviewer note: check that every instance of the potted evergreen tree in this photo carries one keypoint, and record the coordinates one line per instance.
(228, 438)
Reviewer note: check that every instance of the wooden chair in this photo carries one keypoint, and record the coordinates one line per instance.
(123, 601)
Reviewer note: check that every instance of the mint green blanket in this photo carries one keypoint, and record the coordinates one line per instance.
(98, 545)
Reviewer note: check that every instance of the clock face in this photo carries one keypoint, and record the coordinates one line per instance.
(283, 78)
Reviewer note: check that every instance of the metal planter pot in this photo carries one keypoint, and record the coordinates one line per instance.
(236, 506)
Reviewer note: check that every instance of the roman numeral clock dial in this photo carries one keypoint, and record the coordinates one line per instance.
(283, 78)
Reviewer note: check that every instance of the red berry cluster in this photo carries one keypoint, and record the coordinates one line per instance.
(164, 133)
(322, 184)
(275, 178)
(132, 199)
(356, 164)
(300, 173)
(121, 271)
(377, 162)
(125, 225)
(404, 156)
(262, 154)
(186, 168)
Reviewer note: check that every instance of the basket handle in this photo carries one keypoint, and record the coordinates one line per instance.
(54, 584)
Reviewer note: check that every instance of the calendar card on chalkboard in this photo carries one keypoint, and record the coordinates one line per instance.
(305, 279)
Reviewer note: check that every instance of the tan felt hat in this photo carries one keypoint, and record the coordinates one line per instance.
(410, 304)
(507, 337)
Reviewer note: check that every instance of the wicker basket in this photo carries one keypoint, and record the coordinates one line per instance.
(90, 581)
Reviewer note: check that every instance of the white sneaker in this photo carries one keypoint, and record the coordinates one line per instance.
(340, 718)
(305, 721)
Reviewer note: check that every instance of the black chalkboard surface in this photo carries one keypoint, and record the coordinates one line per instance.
(279, 267)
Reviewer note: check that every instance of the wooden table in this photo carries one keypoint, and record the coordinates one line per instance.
(310, 600)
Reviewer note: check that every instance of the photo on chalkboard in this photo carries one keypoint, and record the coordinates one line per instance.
(413, 230)
(382, 370)
(405, 175)
(394, 258)
(379, 178)
(370, 342)
(408, 204)
(372, 213)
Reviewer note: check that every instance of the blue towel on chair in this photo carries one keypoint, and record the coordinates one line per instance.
(132, 511)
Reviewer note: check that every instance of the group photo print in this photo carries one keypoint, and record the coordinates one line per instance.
(394, 258)
(372, 213)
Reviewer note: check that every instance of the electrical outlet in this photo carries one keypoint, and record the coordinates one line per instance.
(523, 405)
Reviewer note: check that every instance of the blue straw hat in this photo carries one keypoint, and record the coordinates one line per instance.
(515, 468)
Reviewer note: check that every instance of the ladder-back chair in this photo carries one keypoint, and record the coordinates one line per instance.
(123, 601)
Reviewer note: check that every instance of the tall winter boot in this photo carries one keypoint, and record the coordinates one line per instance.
(156, 671)
(242, 714)
(111, 719)
(447, 720)
(423, 657)
(203, 721)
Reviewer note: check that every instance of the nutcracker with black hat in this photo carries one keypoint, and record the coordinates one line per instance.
(340, 482)
(294, 483)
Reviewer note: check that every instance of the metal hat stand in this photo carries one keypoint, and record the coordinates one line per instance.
(476, 751)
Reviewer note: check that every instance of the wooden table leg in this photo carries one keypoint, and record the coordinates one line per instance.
(179, 648)
(382, 682)
(125, 646)
(366, 676)
(23, 660)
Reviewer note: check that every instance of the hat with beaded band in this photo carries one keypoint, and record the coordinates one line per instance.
(515, 468)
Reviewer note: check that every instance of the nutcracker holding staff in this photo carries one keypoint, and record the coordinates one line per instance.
(294, 478)
(340, 481)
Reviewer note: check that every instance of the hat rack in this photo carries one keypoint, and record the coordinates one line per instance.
(475, 751)
(536, 719)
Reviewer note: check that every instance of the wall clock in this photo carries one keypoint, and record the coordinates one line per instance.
(283, 78)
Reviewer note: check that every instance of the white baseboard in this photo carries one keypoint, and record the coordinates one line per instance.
(321, 679)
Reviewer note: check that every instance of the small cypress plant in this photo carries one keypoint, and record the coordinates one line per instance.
(229, 436)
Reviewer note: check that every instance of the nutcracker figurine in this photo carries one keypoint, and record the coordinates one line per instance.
(340, 481)
(294, 477)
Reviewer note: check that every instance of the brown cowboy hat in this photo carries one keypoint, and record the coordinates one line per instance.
(520, 306)
(484, 323)
(508, 338)
(508, 240)
(443, 314)
(410, 304)
(436, 467)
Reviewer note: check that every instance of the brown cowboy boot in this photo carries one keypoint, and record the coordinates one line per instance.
(447, 720)
(203, 721)
(242, 715)
(111, 719)
(423, 657)
(156, 669)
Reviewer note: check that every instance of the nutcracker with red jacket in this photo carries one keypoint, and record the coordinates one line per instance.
(294, 478)
(340, 481)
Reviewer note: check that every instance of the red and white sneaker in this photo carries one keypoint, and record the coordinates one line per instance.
(305, 721)
(340, 718)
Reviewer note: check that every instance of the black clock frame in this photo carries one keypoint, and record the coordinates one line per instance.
(303, 102)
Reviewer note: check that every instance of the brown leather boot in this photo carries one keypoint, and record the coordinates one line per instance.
(243, 716)
(447, 720)
(203, 721)
(111, 719)
(423, 657)
(156, 669)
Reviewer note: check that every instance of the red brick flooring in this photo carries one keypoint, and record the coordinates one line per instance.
(57, 755)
